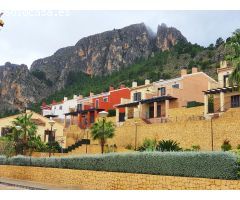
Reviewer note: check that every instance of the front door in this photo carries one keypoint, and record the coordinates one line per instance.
(235, 101)
(158, 110)
(151, 111)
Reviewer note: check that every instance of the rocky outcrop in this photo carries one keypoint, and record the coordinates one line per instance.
(168, 37)
(18, 87)
(98, 54)
(106, 52)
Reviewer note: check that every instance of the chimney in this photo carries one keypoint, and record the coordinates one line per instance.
(111, 88)
(194, 70)
(91, 94)
(183, 72)
(122, 86)
(65, 99)
(80, 96)
(74, 96)
(147, 82)
(134, 84)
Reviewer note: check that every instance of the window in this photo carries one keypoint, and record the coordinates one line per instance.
(176, 85)
(105, 99)
(60, 107)
(137, 96)
(79, 107)
(162, 91)
(96, 103)
(225, 80)
(235, 101)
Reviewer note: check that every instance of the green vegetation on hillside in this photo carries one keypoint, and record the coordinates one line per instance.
(161, 65)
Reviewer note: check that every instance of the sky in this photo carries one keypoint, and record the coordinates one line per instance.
(30, 35)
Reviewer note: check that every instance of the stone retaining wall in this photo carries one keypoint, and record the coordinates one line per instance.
(85, 179)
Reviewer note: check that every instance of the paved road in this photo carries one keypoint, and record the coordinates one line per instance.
(10, 187)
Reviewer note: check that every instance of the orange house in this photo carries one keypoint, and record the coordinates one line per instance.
(89, 107)
(152, 101)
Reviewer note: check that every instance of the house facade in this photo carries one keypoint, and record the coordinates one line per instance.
(88, 108)
(221, 96)
(152, 101)
(83, 111)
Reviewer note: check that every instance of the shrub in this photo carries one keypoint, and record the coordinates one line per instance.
(129, 147)
(168, 145)
(148, 145)
(222, 165)
(226, 146)
(238, 146)
(196, 147)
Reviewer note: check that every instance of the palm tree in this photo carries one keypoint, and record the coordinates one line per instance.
(101, 131)
(23, 133)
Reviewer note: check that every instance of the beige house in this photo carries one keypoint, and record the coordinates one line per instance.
(152, 101)
(221, 96)
(42, 124)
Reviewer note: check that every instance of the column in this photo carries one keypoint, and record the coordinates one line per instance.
(88, 119)
(222, 109)
(205, 104)
(155, 109)
(117, 115)
(166, 108)
(140, 110)
(79, 120)
(65, 121)
(126, 113)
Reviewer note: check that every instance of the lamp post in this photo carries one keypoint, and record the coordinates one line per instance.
(51, 123)
(103, 115)
(136, 124)
(212, 131)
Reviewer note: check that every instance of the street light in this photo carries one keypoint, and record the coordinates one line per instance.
(18, 128)
(51, 123)
(103, 114)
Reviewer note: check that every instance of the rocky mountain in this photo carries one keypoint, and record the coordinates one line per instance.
(98, 54)
(106, 52)
(18, 87)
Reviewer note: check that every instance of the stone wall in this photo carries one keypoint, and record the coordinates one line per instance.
(84, 179)
(187, 128)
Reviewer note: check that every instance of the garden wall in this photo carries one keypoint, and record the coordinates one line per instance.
(186, 132)
(86, 179)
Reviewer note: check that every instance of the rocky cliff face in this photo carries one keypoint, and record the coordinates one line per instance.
(18, 87)
(98, 54)
(106, 52)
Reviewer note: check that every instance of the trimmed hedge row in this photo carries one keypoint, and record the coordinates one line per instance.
(220, 165)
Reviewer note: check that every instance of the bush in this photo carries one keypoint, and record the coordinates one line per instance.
(168, 145)
(129, 147)
(226, 146)
(196, 147)
(148, 145)
(222, 165)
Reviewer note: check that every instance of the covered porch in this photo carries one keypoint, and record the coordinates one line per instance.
(153, 109)
(221, 99)
(156, 109)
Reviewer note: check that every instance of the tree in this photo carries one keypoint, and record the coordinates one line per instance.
(102, 130)
(234, 78)
(168, 145)
(219, 42)
(23, 134)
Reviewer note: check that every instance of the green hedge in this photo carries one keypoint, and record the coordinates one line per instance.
(221, 165)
